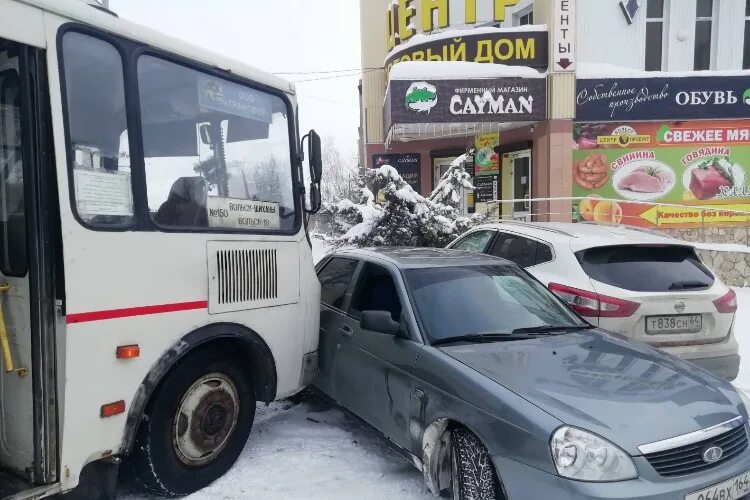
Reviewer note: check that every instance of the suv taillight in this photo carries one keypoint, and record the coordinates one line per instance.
(727, 304)
(593, 305)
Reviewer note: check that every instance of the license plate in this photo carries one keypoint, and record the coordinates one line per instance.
(686, 323)
(731, 489)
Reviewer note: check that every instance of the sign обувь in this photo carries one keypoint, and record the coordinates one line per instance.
(679, 98)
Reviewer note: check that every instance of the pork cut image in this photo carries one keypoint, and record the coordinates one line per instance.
(641, 181)
(707, 180)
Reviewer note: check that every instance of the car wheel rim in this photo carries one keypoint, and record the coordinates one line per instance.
(205, 419)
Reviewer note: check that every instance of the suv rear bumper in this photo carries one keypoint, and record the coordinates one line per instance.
(725, 367)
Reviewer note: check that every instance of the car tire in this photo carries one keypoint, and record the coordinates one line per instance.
(195, 426)
(473, 475)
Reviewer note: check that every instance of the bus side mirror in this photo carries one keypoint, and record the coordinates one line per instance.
(316, 157)
(315, 198)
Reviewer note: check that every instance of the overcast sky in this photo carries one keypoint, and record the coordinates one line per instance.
(276, 36)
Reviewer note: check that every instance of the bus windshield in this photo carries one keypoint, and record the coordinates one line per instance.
(211, 145)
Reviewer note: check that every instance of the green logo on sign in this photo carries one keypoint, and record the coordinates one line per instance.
(746, 97)
(421, 97)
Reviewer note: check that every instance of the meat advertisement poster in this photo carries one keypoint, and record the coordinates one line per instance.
(703, 166)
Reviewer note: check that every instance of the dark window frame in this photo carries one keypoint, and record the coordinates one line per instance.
(711, 24)
(24, 116)
(746, 51)
(358, 283)
(651, 21)
(130, 51)
(349, 288)
(539, 243)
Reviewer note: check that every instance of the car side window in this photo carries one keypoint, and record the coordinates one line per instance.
(334, 279)
(376, 291)
(543, 254)
(517, 249)
(474, 242)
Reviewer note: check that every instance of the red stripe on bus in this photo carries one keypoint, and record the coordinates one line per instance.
(135, 311)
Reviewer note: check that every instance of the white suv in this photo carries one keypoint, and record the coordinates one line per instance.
(648, 287)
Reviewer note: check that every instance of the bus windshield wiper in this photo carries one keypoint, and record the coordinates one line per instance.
(687, 285)
(548, 329)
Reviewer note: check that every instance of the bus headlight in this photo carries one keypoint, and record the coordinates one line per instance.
(584, 456)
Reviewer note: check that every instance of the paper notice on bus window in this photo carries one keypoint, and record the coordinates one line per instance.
(103, 193)
(231, 213)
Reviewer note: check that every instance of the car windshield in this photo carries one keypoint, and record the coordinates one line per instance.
(454, 302)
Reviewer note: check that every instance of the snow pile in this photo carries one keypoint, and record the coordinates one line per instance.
(317, 452)
(458, 70)
(404, 218)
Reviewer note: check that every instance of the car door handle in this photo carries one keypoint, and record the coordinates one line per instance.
(346, 331)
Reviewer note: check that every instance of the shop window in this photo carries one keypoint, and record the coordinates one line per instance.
(100, 166)
(746, 59)
(703, 34)
(654, 35)
(217, 153)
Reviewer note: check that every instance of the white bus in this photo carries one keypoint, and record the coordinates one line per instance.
(157, 276)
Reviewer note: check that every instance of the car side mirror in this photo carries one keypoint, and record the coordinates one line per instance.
(315, 198)
(380, 322)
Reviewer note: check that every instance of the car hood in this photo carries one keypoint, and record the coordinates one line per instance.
(626, 392)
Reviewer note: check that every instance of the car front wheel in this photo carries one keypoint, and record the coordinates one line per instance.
(473, 475)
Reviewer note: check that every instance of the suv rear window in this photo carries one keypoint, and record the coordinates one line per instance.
(646, 268)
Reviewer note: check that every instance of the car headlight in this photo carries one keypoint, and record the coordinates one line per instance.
(584, 456)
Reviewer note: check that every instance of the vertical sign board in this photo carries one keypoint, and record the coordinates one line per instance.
(408, 166)
(564, 37)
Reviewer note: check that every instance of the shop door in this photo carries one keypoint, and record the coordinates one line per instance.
(521, 172)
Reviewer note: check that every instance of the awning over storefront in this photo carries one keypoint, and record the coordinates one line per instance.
(427, 100)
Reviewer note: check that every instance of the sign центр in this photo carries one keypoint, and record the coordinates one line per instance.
(510, 99)
(679, 98)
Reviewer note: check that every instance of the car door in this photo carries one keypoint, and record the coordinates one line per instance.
(374, 370)
(336, 277)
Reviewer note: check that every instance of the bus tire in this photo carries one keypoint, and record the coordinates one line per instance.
(195, 426)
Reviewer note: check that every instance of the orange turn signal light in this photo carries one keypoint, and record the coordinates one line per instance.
(128, 351)
(112, 409)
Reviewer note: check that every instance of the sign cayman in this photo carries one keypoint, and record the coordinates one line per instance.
(466, 101)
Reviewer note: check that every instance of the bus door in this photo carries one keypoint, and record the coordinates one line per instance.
(28, 444)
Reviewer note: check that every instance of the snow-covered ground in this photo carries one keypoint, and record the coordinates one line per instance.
(311, 450)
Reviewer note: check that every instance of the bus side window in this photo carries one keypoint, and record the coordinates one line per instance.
(13, 257)
(100, 163)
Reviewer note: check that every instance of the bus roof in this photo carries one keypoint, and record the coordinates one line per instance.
(85, 12)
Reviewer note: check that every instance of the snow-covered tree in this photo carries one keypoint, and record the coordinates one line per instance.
(404, 218)
(453, 184)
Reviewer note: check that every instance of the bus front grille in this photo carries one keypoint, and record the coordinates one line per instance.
(247, 275)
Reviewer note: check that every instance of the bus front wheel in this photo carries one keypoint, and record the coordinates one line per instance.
(196, 426)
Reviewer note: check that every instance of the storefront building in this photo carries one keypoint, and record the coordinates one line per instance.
(482, 86)
(618, 111)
